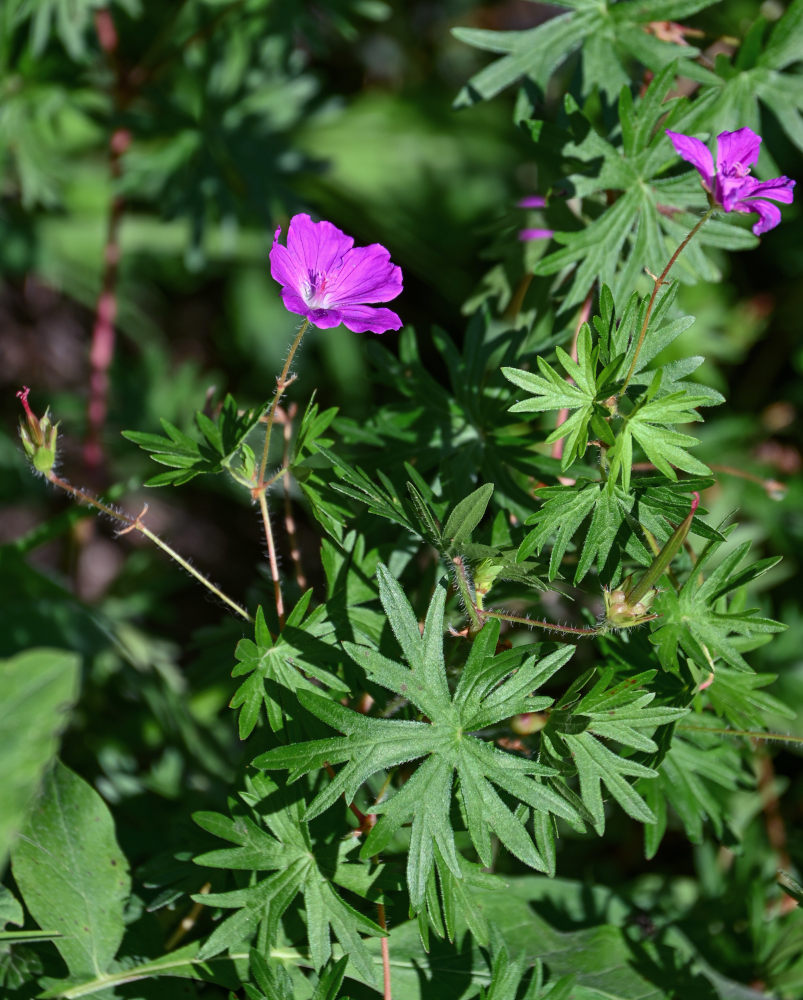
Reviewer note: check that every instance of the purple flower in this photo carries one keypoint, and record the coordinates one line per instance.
(534, 201)
(730, 186)
(325, 278)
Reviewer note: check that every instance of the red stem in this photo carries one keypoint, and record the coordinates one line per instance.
(101, 351)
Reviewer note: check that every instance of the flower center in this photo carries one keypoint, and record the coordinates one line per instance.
(316, 289)
(738, 169)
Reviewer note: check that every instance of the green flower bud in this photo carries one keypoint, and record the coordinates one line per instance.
(39, 436)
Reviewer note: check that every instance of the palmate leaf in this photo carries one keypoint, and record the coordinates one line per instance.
(696, 766)
(633, 216)
(759, 74)
(272, 836)
(654, 504)
(624, 713)
(223, 438)
(491, 689)
(649, 425)
(705, 620)
(619, 334)
(610, 37)
(290, 663)
(584, 395)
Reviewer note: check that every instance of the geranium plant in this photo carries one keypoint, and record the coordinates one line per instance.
(510, 651)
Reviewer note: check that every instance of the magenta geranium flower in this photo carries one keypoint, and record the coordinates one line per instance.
(730, 186)
(328, 280)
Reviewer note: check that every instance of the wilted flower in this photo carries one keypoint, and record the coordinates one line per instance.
(730, 186)
(328, 280)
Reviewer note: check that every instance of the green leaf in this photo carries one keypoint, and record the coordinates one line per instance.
(563, 512)
(272, 836)
(696, 766)
(491, 689)
(704, 621)
(291, 662)
(607, 36)
(71, 872)
(223, 438)
(649, 426)
(466, 515)
(39, 686)
(622, 713)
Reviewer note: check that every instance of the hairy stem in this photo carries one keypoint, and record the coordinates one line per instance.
(135, 524)
(289, 520)
(536, 623)
(272, 560)
(659, 281)
(260, 489)
(468, 596)
(750, 734)
(281, 384)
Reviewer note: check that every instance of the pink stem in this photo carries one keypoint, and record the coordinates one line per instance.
(101, 352)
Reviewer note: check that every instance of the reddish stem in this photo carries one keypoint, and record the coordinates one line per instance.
(101, 351)
(286, 420)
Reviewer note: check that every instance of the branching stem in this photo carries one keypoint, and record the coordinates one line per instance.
(260, 490)
(135, 524)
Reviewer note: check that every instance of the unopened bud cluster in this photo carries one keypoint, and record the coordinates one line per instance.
(621, 613)
(39, 435)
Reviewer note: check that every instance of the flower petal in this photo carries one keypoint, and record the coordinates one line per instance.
(315, 246)
(283, 267)
(322, 318)
(533, 201)
(360, 319)
(779, 189)
(294, 302)
(737, 151)
(365, 274)
(769, 215)
(729, 190)
(695, 152)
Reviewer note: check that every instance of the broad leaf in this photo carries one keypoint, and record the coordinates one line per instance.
(38, 686)
(71, 873)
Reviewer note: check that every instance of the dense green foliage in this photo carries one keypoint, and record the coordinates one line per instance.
(496, 717)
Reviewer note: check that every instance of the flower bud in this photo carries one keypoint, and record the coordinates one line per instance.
(620, 612)
(484, 576)
(529, 722)
(39, 436)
